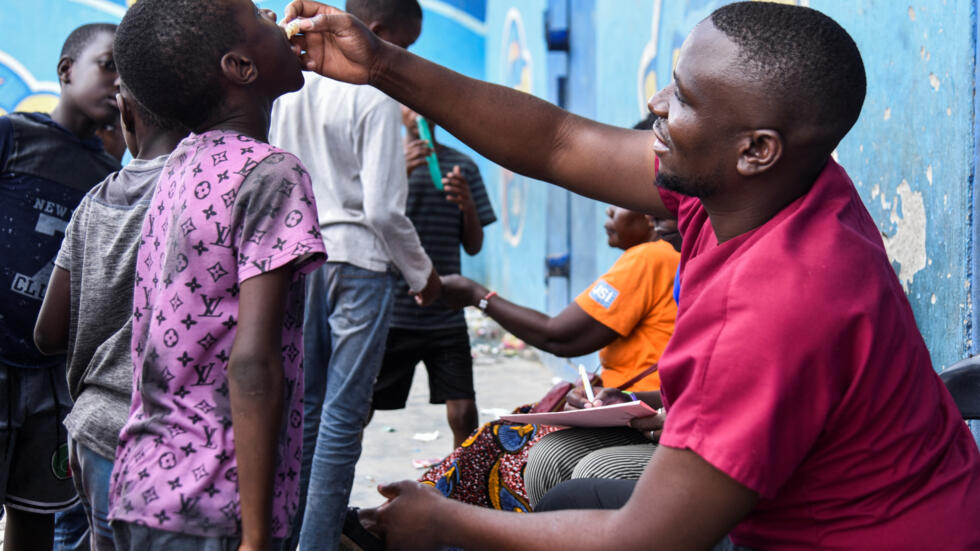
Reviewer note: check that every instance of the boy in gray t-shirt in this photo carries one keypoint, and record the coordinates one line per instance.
(88, 308)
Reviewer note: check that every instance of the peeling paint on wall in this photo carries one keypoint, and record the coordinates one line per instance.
(907, 246)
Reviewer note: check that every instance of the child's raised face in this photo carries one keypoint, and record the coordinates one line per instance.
(90, 81)
(279, 69)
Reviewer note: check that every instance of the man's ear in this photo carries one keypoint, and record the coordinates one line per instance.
(239, 68)
(759, 151)
(64, 70)
(126, 114)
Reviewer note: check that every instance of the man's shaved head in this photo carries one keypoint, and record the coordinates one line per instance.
(807, 61)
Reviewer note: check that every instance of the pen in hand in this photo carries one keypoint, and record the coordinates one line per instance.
(585, 383)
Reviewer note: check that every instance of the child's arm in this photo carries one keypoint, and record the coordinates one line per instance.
(457, 190)
(255, 381)
(51, 329)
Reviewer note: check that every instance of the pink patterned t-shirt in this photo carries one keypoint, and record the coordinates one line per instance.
(226, 208)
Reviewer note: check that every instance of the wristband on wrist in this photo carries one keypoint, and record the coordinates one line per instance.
(486, 300)
(632, 395)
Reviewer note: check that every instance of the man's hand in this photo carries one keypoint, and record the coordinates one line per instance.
(458, 190)
(334, 43)
(406, 520)
(415, 153)
(460, 292)
(431, 291)
(651, 427)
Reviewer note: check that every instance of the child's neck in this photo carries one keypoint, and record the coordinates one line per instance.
(74, 120)
(158, 144)
(248, 119)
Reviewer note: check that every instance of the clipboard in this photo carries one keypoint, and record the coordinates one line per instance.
(616, 415)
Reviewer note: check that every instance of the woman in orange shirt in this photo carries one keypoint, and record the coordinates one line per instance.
(627, 315)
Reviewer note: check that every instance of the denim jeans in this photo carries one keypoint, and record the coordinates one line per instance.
(348, 310)
(133, 537)
(91, 473)
(71, 530)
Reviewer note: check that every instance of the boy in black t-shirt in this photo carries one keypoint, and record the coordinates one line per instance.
(436, 335)
(47, 164)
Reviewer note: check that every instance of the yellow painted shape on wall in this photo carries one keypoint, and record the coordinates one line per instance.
(42, 103)
(650, 84)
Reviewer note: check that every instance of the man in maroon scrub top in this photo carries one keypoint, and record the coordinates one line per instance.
(803, 411)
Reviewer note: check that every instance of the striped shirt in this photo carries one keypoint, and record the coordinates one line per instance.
(439, 224)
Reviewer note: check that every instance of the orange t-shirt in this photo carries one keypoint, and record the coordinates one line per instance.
(634, 299)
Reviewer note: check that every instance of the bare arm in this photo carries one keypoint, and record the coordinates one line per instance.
(457, 190)
(513, 129)
(255, 381)
(681, 503)
(571, 333)
(51, 329)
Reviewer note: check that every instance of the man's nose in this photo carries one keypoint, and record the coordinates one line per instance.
(269, 14)
(658, 104)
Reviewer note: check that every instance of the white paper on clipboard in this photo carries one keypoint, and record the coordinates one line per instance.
(616, 415)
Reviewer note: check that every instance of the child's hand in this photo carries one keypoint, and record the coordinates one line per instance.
(458, 189)
(432, 290)
(415, 154)
(460, 292)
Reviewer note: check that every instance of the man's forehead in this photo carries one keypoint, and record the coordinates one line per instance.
(707, 54)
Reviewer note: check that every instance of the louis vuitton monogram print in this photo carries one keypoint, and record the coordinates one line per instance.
(226, 208)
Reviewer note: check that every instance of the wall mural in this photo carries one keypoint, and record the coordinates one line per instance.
(517, 73)
(694, 11)
(20, 91)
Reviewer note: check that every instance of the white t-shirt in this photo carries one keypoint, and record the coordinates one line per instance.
(349, 137)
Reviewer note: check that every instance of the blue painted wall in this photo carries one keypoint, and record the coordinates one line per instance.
(912, 154)
(515, 247)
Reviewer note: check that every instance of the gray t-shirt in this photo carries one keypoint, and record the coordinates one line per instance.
(99, 250)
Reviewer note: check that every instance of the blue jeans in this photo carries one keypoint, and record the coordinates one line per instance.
(133, 537)
(71, 531)
(91, 473)
(348, 310)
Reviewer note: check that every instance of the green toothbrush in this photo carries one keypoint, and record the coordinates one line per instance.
(426, 134)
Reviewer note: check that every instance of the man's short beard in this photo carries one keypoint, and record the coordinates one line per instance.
(692, 187)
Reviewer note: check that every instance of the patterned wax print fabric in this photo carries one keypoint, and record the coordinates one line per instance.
(488, 467)
(227, 208)
(634, 299)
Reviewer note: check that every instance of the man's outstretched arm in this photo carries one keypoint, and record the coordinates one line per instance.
(681, 503)
(515, 130)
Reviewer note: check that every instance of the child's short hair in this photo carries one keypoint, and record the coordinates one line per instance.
(390, 12)
(148, 117)
(169, 54)
(82, 36)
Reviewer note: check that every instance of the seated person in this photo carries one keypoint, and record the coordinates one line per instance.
(788, 424)
(627, 314)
